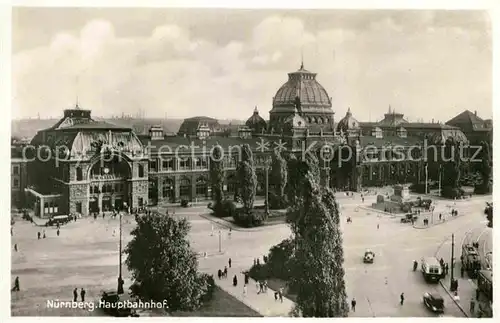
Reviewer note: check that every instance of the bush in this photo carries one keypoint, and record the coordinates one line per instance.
(209, 283)
(452, 192)
(259, 272)
(251, 219)
(280, 259)
(277, 202)
(380, 199)
(225, 209)
(184, 203)
(418, 188)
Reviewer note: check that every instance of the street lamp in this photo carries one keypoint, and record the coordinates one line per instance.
(426, 177)
(452, 265)
(120, 279)
(439, 192)
(266, 168)
(220, 242)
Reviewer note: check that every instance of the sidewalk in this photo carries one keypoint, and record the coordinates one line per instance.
(434, 219)
(264, 303)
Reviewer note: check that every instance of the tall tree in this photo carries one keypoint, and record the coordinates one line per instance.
(485, 167)
(162, 264)
(217, 176)
(278, 179)
(247, 183)
(318, 250)
(451, 169)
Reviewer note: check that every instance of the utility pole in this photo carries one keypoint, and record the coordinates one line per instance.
(120, 279)
(452, 265)
(426, 178)
(266, 167)
(220, 242)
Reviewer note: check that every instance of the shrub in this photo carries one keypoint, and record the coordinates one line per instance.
(249, 219)
(209, 283)
(280, 259)
(184, 203)
(418, 188)
(452, 192)
(259, 272)
(225, 209)
(277, 202)
(380, 199)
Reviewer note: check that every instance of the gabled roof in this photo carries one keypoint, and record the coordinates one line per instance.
(467, 118)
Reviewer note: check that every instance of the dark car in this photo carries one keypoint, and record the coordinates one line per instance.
(110, 304)
(409, 217)
(369, 257)
(434, 302)
(58, 219)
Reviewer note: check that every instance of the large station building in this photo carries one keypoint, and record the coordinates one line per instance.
(83, 165)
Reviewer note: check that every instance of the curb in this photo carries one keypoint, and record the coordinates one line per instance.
(442, 222)
(454, 301)
(228, 224)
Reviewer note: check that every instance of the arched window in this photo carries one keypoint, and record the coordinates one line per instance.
(168, 189)
(141, 171)
(201, 186)
(79, 174)
(185, 188)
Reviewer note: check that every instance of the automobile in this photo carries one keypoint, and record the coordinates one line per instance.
(434, 302)
(408, 218)
(109, 304)
(58, 219)
(369, 256)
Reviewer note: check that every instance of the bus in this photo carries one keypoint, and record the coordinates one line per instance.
(485, 283)
(431, 269)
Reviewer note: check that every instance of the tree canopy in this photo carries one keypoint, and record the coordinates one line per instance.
(162, 264)
(247, 183)
(217, 176)
(278, 180)
(315, 222)
(485, 167)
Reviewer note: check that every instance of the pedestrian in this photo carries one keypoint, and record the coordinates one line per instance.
(378, 225)
(446, 269)
(353, 304)
(275, 296)
(225, 271)
(402, 298)
(235, 281)
(229, 262)
(244, 290)
(281, 294)
(472, 306)
(440, 216)
(57, 233)
(265, 286)
(247, 278)
(82, 294)
(75, 294)
(16, 285)
(11, 232)
(39, 235)
(363, 199)
(219, 273)
(103, 215)
(44, 236)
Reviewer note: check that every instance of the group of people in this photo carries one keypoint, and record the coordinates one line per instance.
(75, 295)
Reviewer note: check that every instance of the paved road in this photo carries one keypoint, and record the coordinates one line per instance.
(377, 286)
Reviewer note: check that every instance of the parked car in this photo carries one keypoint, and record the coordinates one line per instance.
(369, 257)
(109, 304)
(408, 218)
(434, 302)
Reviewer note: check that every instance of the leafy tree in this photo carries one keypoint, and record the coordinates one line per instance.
(278, 179)
(217, 177)
(297, 169)
(247, 178)
(451, 170)
(162, 264)
(485, 168)
(318, 250)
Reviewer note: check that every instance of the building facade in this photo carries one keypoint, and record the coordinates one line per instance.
(89, 166)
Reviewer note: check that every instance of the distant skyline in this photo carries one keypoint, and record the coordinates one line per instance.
(222, 63)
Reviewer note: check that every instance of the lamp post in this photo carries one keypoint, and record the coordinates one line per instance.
(220, 242)
(426, 178)
(452, 262)
(120, 279)
(439, 192)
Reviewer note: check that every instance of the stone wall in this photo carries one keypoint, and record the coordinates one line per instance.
(78, 193)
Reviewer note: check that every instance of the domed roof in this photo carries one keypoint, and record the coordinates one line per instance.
(302, 84)
(348, 122)
(256, 119)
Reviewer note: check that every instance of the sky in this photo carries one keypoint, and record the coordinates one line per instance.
(429, 65)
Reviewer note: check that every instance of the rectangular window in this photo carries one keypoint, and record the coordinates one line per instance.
(152, 165)
(15, 170)
(16, 183)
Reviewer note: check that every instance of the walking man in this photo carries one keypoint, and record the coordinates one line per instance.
(82, 294)
(402, 298)
(58, 232)
(44, 236)
(219, 273)
(15, 247)
(235, 281)
(353, 304)
(281, 294)
(244, 290)
(16, 285)
(229, 262)
(39, 235)
(225, 271)
(75, 294)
